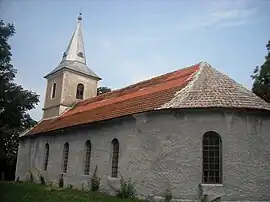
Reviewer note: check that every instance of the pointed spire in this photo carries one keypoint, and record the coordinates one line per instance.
(75, 49)
(74, 56)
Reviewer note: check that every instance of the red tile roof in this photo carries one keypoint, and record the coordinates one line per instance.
(198, 86)
(143, 96)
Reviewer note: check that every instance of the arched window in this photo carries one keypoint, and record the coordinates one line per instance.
(80, 89)
(46, 156)
(53, 90)
(87, 157)
(212, 158)
(115, 156)
(65, 157)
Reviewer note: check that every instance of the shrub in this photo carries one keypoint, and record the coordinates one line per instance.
(95, 181)
(61, 181)
(127, 189)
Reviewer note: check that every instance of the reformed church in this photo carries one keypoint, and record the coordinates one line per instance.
(194, 130)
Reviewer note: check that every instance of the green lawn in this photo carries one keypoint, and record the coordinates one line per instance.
(26, 192)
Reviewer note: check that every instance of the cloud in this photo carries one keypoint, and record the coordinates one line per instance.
(233, 14)
(220, 14)
(207, 14)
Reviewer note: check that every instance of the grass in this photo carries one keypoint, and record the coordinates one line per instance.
(29, 192)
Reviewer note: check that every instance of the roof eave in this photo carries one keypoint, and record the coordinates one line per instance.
(47, 76)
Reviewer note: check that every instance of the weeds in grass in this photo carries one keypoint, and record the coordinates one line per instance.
(30, 192)
(127, 189)
(95, 181)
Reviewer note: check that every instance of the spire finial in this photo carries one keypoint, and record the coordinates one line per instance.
(80, 16)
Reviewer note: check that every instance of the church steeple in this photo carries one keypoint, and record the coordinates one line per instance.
(71, 81)
(75, 49)
(74, 56)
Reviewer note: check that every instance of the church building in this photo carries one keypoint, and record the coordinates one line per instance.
(194, 130)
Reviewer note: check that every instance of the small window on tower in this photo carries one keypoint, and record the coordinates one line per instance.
(80, 89)
(53, 90)
(80, 54)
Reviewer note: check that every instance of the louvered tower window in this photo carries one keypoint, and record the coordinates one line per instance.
(80, 89)
(80, 54)
(53, 90)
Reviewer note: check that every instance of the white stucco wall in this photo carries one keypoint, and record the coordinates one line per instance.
(164, 148)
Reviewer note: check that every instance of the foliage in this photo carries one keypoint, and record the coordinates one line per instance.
(261, 77)
(61, 181)
(101, 90)
(127, 189)
(30, 192)
(15, 102)
(70, 186)
(95, 181)
(168, 194)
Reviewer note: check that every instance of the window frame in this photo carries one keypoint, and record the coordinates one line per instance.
(80, 91)
(115, 158)
(212, 158)
(46, 157)
(53, 94)
(65, 157)
(87, 157)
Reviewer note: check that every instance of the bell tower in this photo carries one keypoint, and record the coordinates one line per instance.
(71, 80)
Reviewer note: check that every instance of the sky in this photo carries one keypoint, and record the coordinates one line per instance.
(127, 41)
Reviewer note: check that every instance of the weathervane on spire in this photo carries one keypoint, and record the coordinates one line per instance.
(80, 16)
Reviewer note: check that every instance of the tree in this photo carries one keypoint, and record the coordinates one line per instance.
(101, 90)
(261, 77)
(15, 101)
